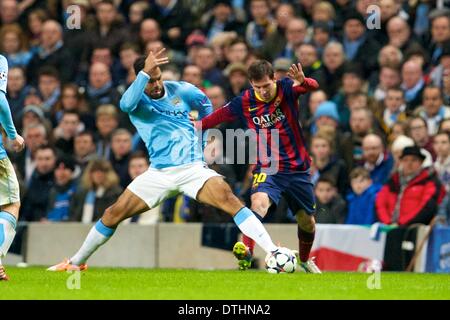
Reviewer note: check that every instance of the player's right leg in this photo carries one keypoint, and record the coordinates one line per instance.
(126, 206)
(243, 251)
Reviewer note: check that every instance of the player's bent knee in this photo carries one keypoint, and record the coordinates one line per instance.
(261, 206)
(112, 216)
(228, 202)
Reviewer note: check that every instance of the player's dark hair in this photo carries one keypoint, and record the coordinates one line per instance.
(139, 64)
(259, 69)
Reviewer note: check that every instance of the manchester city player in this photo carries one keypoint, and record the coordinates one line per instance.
(9, 186)
(160, 112)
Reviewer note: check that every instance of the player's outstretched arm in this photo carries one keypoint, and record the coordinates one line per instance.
(8, 124)
(223, 114)
(133, 94)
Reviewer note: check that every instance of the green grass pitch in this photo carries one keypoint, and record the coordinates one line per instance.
(161, 284)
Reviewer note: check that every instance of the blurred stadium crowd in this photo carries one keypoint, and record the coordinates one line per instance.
(384, 76)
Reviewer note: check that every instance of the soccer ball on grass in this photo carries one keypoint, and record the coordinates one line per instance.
(282, 260)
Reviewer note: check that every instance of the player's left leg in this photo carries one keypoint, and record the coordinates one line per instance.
(263, 186)
(306, 228)
(9, 209)
(300, 198)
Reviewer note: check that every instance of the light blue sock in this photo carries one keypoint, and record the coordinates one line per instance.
(7, 231)
(97, 236)
(250, 225)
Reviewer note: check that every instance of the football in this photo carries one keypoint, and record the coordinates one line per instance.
(282, 260)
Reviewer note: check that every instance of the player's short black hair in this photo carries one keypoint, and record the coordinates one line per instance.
(259, 69)
(139, 64)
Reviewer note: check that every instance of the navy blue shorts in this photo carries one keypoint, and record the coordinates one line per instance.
(295, 187)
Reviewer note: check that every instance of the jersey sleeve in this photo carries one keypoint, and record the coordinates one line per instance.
(198, 100)
(308, 85)
(3, 73)
(6, 120)
(227, 113)
(133, 94)
(235, 106)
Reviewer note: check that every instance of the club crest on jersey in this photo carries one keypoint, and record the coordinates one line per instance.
(277, 102)
(176, 101)
(268, 120)
(3, 75)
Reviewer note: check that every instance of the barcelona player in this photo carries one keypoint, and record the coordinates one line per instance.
(273, 105)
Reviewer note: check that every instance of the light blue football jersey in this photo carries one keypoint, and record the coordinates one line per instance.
(164, 124)
(5, 113)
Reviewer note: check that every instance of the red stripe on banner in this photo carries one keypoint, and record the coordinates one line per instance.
(333, 260)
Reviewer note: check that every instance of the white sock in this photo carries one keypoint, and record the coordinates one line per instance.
(250, 225)
(97, 236)
(7, 232)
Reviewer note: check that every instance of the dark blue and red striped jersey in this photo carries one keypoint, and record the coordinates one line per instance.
(269, 119)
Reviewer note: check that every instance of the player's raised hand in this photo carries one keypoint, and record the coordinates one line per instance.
(18, 143)
(296, 73)
(153, 61)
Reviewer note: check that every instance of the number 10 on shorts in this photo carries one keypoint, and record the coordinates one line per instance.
(259, 178)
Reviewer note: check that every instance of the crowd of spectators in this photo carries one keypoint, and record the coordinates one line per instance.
(378, 128)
